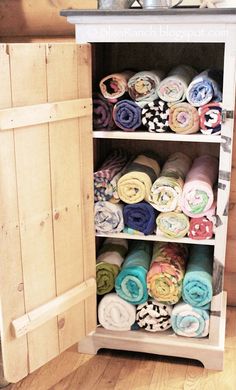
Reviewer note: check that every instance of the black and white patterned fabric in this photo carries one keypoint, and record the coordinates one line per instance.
(155, 116)
(154, 316)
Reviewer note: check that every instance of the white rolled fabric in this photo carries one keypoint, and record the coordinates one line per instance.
(116, 314)
(142, 87)
(108, 217)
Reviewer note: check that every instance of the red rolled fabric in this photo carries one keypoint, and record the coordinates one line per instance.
(201, 228)
(210, 117)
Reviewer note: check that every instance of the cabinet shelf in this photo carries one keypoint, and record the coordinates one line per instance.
(144, 135)
(184, 240)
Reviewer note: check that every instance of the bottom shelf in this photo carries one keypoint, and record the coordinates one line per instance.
(166, 343)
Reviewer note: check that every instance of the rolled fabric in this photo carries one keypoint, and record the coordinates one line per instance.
(108, 217)
(130, 284)
(198, 194)
(142, 87)
(127, 115)
(106, 177)
(205, 87)
(210, 118)
(166, 191)
(155, 116)
(141, 217)
(184, 118)
(172, 224)
(197, 284)
(135, 184)
(201, 228)
(115, 85)
(165, 276)
(190, 321)
(173, 88)
(102, 113)
(154, 316)
(116, 314)
(108, 263)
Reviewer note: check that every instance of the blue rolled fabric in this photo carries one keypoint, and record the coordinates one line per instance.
(197, 284)
(127, 115)
(131, 284)
(204, 88)
(141, 217)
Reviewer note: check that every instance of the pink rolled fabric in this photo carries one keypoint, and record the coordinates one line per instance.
(115, 85)
(198, 194)
(201, 229)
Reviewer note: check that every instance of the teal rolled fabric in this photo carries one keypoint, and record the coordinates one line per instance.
(197, 284)
(131, 283)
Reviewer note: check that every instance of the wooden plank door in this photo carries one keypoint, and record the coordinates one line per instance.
(47, 273)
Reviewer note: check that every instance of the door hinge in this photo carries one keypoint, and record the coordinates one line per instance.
(227, 114)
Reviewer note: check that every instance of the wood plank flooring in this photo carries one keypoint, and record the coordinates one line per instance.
(118, 370)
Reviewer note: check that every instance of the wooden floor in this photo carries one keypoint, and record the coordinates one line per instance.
(133, 371)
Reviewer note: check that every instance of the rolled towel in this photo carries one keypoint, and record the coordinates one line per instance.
(130, 284)
(201, 228)
(115, 85)
(142, 87)
(172, 224)
(197, 284)
(190, 321)
(127, 115)
(173, 88)
(184, 118)
(198, 194)
(166, 191)
(210, 118)
(116, 314)
(155, 116)
(154, 316)
(108, 263)
(141, 217)
(205, 87)
(165, 276)
(135, 184)
(102, 113)
(106, 177)
(108, 217)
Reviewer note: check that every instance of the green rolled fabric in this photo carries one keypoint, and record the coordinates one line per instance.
(172, 224)
(109, 261)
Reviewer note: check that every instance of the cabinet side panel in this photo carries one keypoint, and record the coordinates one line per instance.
(14, 351)
(66, 189)
(86, 167)
(28, 77)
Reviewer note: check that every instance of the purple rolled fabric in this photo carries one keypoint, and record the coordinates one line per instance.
(102, 113)
(127, 115)
(141, 217)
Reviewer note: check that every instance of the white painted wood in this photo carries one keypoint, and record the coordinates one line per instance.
(184, 240)
(144, 135)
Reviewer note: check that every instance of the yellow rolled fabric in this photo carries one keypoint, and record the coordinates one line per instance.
(172, 224)
(184, 118)
(135, 184)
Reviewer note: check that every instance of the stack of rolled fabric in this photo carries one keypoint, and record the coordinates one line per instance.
(166, 273)
(102, 113)
(154, 316)
(197, 284)
(110, 258)
(140, 217)
(198, 194)
(127, 115)
(136, 181)
(115, 85)
(130, 284)
(210, 118)
(107, 175)
(116, 314)
(173, 88)
(108, 217)
(142, 86)
(205, 88)
(166, 191)
(189, 321)
(184, 118)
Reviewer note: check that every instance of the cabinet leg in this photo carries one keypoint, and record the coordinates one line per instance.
(88, 345)
(213, 361)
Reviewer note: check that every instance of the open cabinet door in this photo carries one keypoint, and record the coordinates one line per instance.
(47, 250)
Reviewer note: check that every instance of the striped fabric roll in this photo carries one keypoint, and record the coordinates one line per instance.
(154, 316)
(210, 118)
(155, 116)
(106, 177)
